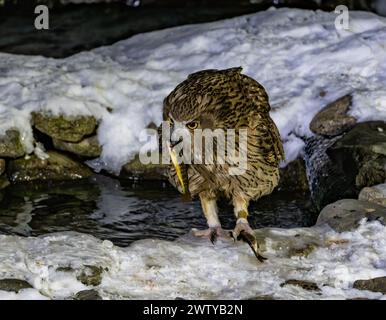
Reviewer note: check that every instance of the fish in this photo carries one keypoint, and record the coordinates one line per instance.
(182, 175)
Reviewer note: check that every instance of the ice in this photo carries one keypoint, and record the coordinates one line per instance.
(195, 269)
(298, 55)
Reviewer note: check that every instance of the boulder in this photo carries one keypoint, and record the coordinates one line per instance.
(376, 194)
(137, 170)
(361, 154)
(87, 295)
(306, 285)
(57, 167)
(71, 129)
(91, 275)
(13, 285)
(293, 177)
(88, 147)
(333, 119)
(375, 285)
(341, 166)
(10, 144)
(345, 214)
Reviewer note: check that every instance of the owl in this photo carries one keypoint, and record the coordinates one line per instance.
(229, 101)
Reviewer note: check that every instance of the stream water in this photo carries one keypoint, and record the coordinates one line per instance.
(124, 211)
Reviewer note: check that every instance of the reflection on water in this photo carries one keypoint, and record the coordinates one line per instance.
(123, 211)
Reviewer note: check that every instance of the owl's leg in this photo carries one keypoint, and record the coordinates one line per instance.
(242, 230)
(209, 206)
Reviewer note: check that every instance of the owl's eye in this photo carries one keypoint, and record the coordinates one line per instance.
(171, 122)
(192, 125)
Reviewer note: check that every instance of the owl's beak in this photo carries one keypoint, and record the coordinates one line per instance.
(173, 157)
(174, 143)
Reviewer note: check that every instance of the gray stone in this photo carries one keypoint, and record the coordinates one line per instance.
(375, 285)
(10, 145)
(88, 147)
(306, 285)
(137, 170)
(376, 194)
(345, 214)
(13, 285)
(71, 129)
(362, 153)
(88, 295)
(91, 275)
(333, 119)
(340, 167)
(57, 167)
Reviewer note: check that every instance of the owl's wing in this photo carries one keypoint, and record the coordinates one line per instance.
(266, 142)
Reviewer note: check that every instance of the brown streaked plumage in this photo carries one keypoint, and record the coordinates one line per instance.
(227, 99)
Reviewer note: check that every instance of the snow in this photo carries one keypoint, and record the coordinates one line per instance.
(195, 269)
(298, 55)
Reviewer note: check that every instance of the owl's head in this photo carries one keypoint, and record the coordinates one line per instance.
(199, 102)
(214, 99)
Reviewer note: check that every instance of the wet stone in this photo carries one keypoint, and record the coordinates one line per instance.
(374, 285)
(345, 214)
(294, 176)
(333, 119)
(56, 168)
(10, 145)
(88, 295)
(306, 285)
(135, 169)
(88, 147)
(71, 129)
(91, 276)
(376, 194)
(13, 285)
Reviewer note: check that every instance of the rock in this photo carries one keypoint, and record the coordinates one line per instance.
(91, 276)
(71, 129)
(265, 297)
(293, 177)
(136, 170)
(306, 285)
(302, 251)
(361, 154)
(341, 166)
(88, 147)
(376, 194)
(333, 119)
(3, 182)
(88, 295)
(10, 144)
(14, 285)
(57, 167)
(375, 285)
(345, 214)
(2, 166)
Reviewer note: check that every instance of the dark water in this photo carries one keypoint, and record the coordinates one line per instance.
(122, 211)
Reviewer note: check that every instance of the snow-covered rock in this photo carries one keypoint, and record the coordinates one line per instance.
(298, 55)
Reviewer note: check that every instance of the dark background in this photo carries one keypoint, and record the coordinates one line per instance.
(79, 27)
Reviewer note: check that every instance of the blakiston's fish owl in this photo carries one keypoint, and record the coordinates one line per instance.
(226, 99)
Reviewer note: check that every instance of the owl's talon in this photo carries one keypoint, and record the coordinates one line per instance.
(211, 233)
